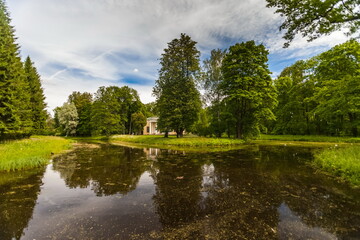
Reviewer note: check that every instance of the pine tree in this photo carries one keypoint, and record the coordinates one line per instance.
(37, 98)
(178, 100)
(15, 111)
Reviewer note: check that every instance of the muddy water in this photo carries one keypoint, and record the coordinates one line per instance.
(114, 192)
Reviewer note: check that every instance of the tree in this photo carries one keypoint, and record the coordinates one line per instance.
(337, 92)
(83, 103)
(68, 118)
(138, 122)
(247, 86)
(37, 98)
(177, 98)
(213, 93)
(314, 18)
(15, 111)
(295, 91)
(113, 108)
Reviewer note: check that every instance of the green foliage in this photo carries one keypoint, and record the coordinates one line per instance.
(15, 111)
(150, 109)
(30, 153)
(337, 76)
(248, 90)
(83, 103)
(321, 95)
(138, 121)
(341, 162)
(37, 98)
(295, 90)
(314, 18)
(112, 110)
(68, 118)
(177, 98)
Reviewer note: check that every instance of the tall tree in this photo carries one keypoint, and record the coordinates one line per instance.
(337, 77)
(248, 87)
(15, 120)
(177, 98)
(213, 93)
(295, 91)
(313, 18)
(37, 98)
(83, 103)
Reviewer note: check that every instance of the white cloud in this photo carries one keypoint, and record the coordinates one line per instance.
(79, 46)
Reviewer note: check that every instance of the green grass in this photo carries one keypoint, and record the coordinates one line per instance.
(30, 153)
(341, 162)
(310, 138)
(191, 141)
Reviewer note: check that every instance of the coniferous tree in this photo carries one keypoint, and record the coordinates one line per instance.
(37, 98)
(177, 98)
(15, 110)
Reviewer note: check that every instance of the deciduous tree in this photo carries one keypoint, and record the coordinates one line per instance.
(248, 88)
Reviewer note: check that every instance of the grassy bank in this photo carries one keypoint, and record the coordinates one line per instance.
(30, 153)
(191, 141)
(341, 162)
(310, 138)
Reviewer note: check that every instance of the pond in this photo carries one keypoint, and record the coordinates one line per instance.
(103, 191)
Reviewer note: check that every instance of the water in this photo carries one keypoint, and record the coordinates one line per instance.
(114, 192)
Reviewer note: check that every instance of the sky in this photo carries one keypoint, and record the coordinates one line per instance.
(80, 45)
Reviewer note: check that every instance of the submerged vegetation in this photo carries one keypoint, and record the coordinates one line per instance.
(30, 153)
(341, 162)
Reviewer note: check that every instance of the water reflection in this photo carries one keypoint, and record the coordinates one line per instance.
(18, 196)
(113, 192)
(107, 169)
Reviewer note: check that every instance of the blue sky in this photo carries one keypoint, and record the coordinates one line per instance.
(80, 45)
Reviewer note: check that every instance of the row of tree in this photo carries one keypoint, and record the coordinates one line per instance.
(22, 106)
(318, 96)
(238, 88)
(112, 110)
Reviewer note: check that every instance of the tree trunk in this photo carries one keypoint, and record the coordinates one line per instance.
(166, 134)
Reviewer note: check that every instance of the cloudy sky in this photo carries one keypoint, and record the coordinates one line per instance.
(80, 45)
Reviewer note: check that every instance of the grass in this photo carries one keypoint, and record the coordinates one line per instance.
(190, 141)
(341, 162)
(310, 138)
(30, 153)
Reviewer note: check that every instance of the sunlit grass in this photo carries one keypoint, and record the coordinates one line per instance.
(310, 138)
(190, 141)
(341, 162)
(30, 153)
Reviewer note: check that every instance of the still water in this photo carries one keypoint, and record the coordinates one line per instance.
(101, 191)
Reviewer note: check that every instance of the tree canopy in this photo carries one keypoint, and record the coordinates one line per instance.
(248, 88)
(177, 98)
(313, 18)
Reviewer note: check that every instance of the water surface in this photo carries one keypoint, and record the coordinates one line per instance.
(113, 192)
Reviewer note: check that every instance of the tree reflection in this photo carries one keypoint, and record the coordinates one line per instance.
(17, 201)
(107, 169)
(178, 183)
(241, 195)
